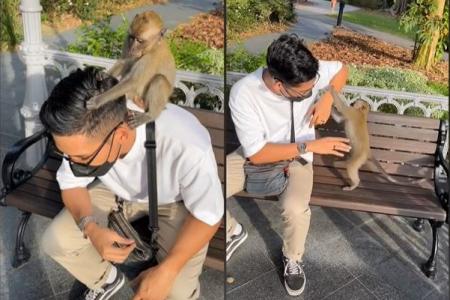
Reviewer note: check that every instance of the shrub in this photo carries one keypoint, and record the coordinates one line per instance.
(391, 79)
(10, 24)
(101, 40)
(240, 60)
(244, 15)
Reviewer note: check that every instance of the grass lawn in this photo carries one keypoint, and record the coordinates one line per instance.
(381, 21)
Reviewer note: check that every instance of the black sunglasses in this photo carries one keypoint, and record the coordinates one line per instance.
(93, 155)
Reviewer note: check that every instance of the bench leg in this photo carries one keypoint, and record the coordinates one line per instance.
(418, 225)
(429, 268)
(21, 254)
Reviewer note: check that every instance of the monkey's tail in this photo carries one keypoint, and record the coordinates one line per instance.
(372, 162)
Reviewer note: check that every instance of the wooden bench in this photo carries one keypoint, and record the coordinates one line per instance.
(407, 148)
(37, 192)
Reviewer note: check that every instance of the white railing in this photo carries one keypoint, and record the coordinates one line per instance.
(191, 84)
(428, 104)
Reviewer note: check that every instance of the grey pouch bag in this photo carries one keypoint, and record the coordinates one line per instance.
(266, 179)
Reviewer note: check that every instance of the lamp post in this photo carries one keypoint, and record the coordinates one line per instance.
(341, 12)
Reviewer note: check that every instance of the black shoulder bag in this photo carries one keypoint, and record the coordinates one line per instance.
(143, 230)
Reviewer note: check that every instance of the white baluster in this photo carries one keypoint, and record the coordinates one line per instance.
(31, 52)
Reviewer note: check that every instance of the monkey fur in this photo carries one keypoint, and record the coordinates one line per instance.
(146, 70)
(355, 118)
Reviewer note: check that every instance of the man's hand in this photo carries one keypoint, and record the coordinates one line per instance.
(154, 283)
(329, 145)
(104, 239)
(320, 112)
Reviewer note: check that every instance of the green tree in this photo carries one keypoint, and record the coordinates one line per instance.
(430, 17)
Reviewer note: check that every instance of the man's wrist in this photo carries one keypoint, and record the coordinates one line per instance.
(172, 264)
(89, 228)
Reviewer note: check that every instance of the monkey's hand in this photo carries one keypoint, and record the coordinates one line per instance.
(320, 112)
(93, 103)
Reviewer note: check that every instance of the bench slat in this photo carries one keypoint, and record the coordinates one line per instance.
(370, 185)
(403, 120)
(33, 203)
(390, 168)
(329, 196)
(208, 118)
(366, 176)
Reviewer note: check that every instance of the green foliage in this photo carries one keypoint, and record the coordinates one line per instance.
(197, 57)
(83, 9)
(10, 24)
(439, 88)
(393, 79)
(99, 39)
(418, 19)
(240, 60)
(377, 20)
(244, 15)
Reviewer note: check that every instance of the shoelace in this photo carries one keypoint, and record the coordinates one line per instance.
(94, 293)
(293, 268)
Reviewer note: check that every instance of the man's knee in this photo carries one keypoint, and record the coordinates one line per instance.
(58, 238)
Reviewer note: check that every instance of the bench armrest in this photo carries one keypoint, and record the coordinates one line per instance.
(12, 177)
(441, 168)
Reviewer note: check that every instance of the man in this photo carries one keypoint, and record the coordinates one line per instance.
(100, 141)
(260, 106)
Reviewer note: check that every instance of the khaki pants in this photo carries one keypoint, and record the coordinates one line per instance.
(64, 242)
(294, 200)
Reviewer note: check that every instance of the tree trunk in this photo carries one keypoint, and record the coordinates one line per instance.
(426, 57)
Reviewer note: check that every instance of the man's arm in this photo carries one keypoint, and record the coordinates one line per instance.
(276, 152)
(322, 109)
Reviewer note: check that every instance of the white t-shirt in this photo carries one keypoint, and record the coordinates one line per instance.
(260, 116)
(186, 167)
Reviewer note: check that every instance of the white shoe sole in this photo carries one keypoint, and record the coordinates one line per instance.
(229, 254)
(111, 293)
(295, 293)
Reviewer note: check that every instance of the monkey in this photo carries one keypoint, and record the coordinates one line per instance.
(146, 70)
(355, 125)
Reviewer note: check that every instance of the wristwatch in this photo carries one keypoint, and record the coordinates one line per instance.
(301, 148)
(84, 221)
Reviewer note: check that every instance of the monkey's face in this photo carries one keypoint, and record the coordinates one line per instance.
(362, 106)
(145, 31)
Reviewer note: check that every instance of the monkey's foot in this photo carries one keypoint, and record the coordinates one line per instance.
(349, 188)
(92, 104)
(136, 118)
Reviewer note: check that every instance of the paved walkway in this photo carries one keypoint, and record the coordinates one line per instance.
(349, 255)
(314, 24)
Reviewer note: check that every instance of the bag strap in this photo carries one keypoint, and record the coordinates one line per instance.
(150, 146)
(292, 123)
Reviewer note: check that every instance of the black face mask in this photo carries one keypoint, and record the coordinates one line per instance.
(85, 170)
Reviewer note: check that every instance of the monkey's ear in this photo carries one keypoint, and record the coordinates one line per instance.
(163, 32)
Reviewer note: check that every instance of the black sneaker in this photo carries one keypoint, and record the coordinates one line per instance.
(235, 241)
(294, 277)
(107, 290)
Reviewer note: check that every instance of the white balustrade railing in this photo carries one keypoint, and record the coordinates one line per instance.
(428, 104)
(191, 84)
